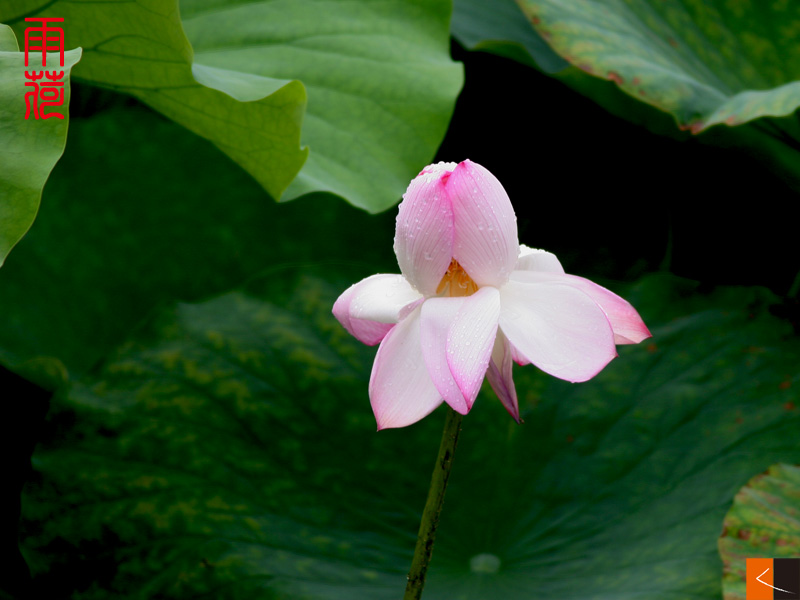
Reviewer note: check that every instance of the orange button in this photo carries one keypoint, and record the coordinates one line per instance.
(759, 578)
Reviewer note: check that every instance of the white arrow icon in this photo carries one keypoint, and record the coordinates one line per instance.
(768, 585)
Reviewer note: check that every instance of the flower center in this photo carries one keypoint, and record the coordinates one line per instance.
(456, 282)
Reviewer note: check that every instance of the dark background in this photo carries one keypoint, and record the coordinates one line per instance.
(635, 201)
(610, 199)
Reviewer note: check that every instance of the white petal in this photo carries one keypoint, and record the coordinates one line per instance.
(558, 328)
(400, 389)
(423, 239)
(628, 326)
(369, 308)
(518, 358)
(437, 317)
(485, 233)
(470, 340)
(533, 259)
(382, 298)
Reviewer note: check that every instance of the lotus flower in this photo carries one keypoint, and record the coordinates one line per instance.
(471, 300)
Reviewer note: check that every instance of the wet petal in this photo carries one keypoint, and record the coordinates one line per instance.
(628, 326)
(367, 332)
(369, 308)
(437, 317)
(533, 259)
(500, 377)
(558, 328)
(471, 339)
(400, 389)
(485, 237)
(423, 239)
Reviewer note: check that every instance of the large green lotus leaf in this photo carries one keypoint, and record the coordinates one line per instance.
(140, 211)
(381, 85)
(704, 62)
(140, 48)
(500, 27)
(228, 450)
(764, 522)
(29, 148)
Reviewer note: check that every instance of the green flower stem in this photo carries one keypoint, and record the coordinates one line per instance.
(433, 506)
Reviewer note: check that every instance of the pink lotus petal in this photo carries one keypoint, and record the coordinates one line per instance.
(369, 308)
(471, 339)
(485, 233)
(423, 239)
(436, 318)
(400, 389)
(518, 358)
(558, 328)
(625, 321)
(367, 332)
(533, 259)
(500, 377)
